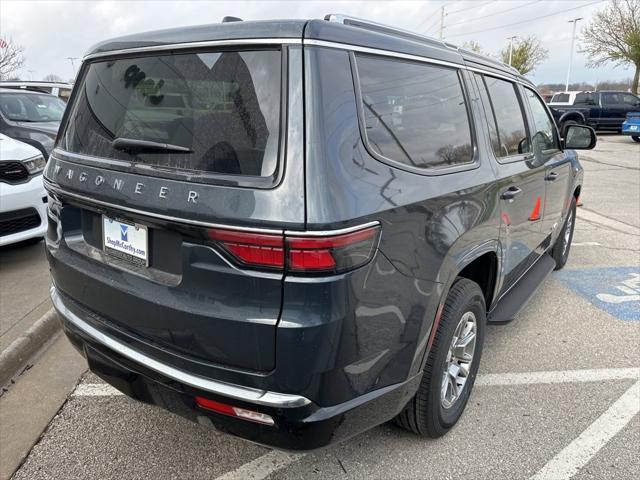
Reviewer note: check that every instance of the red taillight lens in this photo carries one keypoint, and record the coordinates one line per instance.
(331, 254)
(254, 249)
(305, 253)
(243, 413)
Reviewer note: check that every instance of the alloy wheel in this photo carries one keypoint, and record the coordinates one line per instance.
(459, 359)
(567, 233)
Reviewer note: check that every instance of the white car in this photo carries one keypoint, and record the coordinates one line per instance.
(23, 200)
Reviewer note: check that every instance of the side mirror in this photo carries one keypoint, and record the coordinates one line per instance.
(579, 137)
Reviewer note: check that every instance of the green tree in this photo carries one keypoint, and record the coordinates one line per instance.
(527, 54)
(614, 36)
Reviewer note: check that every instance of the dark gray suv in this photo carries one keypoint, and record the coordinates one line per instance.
(297, 230)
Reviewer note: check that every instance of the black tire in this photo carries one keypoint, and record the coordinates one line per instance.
(565, 124)
(559, 253)
(635, 138)
(425, 413)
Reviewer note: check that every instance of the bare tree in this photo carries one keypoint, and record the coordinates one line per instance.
(472, 46)
(527, 54)
(11, 57)
(614, 36)
(52, 77)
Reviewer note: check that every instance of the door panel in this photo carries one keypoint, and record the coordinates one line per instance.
(557, 166)
(615, 106)
(520, 178)
(521, 219)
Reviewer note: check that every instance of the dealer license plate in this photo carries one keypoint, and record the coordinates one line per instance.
(128, 241)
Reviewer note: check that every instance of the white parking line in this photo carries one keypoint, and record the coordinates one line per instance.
(262, 467)
(566, 376)
(575, 455)
(269, 463)
(585, 244)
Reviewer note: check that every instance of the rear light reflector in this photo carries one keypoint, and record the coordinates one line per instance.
(299, 253)
(232, 411)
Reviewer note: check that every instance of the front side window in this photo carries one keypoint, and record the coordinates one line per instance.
(31, 107)
(611, 99)
(512, 132)
(212, 111)
(414, 114)
(630, 100)
(544, 139)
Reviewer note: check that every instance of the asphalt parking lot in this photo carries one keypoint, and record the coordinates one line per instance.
(558, 393)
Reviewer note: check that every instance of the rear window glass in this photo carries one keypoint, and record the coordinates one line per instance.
(512, 132)
(585, 99)
(560, 98)
(414, 113)
(213, 112)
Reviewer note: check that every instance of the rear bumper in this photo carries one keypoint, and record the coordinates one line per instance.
(300, 424)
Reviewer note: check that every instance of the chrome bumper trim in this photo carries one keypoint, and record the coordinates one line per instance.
(245, 394)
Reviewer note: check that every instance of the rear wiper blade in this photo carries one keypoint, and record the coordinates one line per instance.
(133, 144)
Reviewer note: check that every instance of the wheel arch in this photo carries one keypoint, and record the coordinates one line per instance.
(575, 116)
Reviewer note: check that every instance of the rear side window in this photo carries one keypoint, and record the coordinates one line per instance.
(512, 132)
(585, 99)
(414, 114)
(218, 111)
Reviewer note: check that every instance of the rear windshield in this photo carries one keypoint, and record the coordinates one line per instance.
(213, 112)
(31, 107)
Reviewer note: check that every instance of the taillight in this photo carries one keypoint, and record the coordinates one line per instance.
(232, 411)
(333, 253)
(299, 253)
(252, 249)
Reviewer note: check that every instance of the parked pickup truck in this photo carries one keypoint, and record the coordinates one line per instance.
(604, 110)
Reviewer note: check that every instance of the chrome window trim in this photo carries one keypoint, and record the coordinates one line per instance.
(378, 51)
(407, 56)
(238, 392)
(329, 233)
(186, 45)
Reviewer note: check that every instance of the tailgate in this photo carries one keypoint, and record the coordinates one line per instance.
(165, 148)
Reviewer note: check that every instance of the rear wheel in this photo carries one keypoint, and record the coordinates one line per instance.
(452, 364)
(560, 250)
(635, 138)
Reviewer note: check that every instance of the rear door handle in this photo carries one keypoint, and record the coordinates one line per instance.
(511, 193)
(551, 177)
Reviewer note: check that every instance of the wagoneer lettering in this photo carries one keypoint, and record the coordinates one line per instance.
(299, 229)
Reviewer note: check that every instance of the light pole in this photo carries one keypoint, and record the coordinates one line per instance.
(442, 14)
(573, 40)
(73, 65)
(511, 39)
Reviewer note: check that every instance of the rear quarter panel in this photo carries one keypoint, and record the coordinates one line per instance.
(432, 225)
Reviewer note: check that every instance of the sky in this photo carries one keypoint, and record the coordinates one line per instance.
(51, 31)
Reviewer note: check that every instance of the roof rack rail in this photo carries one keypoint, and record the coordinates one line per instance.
(380, 27)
